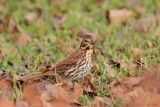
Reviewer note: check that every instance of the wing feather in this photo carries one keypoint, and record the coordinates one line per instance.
(68, 62)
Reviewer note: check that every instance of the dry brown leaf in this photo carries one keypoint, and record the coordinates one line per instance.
(5, 81)
(78, 91)
(110, 74)
(121, 50)
(56, 95)
(88, 84)
(143, 25)
(137, 97)
(58, 20)
(137, 51)
(151, 79)
(132, 71)
(12, 28)
(7, 93)
(140, 9)
(101, 102)
(21, 104)
(113, 63)
(99, 55)
(132, 81)
(67, 84)
(90, 78)
(142, 98)
(133, 65)
(24, 39)
(59, 103)
(120, 91)
(46, 104)
(61, 94)
(128, 81)
(137, 63)
(31, 17)
(2, 8)
(6, 103)
(123, 64)
(23, 78)
(16, 77)
(123, 93)
(119, 16)
(58, 92)
(95, 70)
(55, 3)
(46, 96)
(6, 87)
(150, 44)
(3, 51)
(62, 43)
(31, 95)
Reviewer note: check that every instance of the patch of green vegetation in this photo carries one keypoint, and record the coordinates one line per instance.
(80, 15)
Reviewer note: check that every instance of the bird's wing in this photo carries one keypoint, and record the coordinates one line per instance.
(61, 67)
(71, 60)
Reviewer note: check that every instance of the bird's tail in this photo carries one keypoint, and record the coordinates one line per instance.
(47, 71)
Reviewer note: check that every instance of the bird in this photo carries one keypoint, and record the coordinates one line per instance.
(78, 64)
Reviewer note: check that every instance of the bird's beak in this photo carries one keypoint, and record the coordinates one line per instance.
(92, 43)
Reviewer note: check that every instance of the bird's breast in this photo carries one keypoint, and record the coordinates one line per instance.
(81, 68)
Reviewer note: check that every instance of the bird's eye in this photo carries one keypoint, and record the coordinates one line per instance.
(86, 40)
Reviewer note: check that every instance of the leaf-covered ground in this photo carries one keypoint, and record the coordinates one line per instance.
(35, 33)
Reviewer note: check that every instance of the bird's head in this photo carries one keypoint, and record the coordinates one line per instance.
(87, 42)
